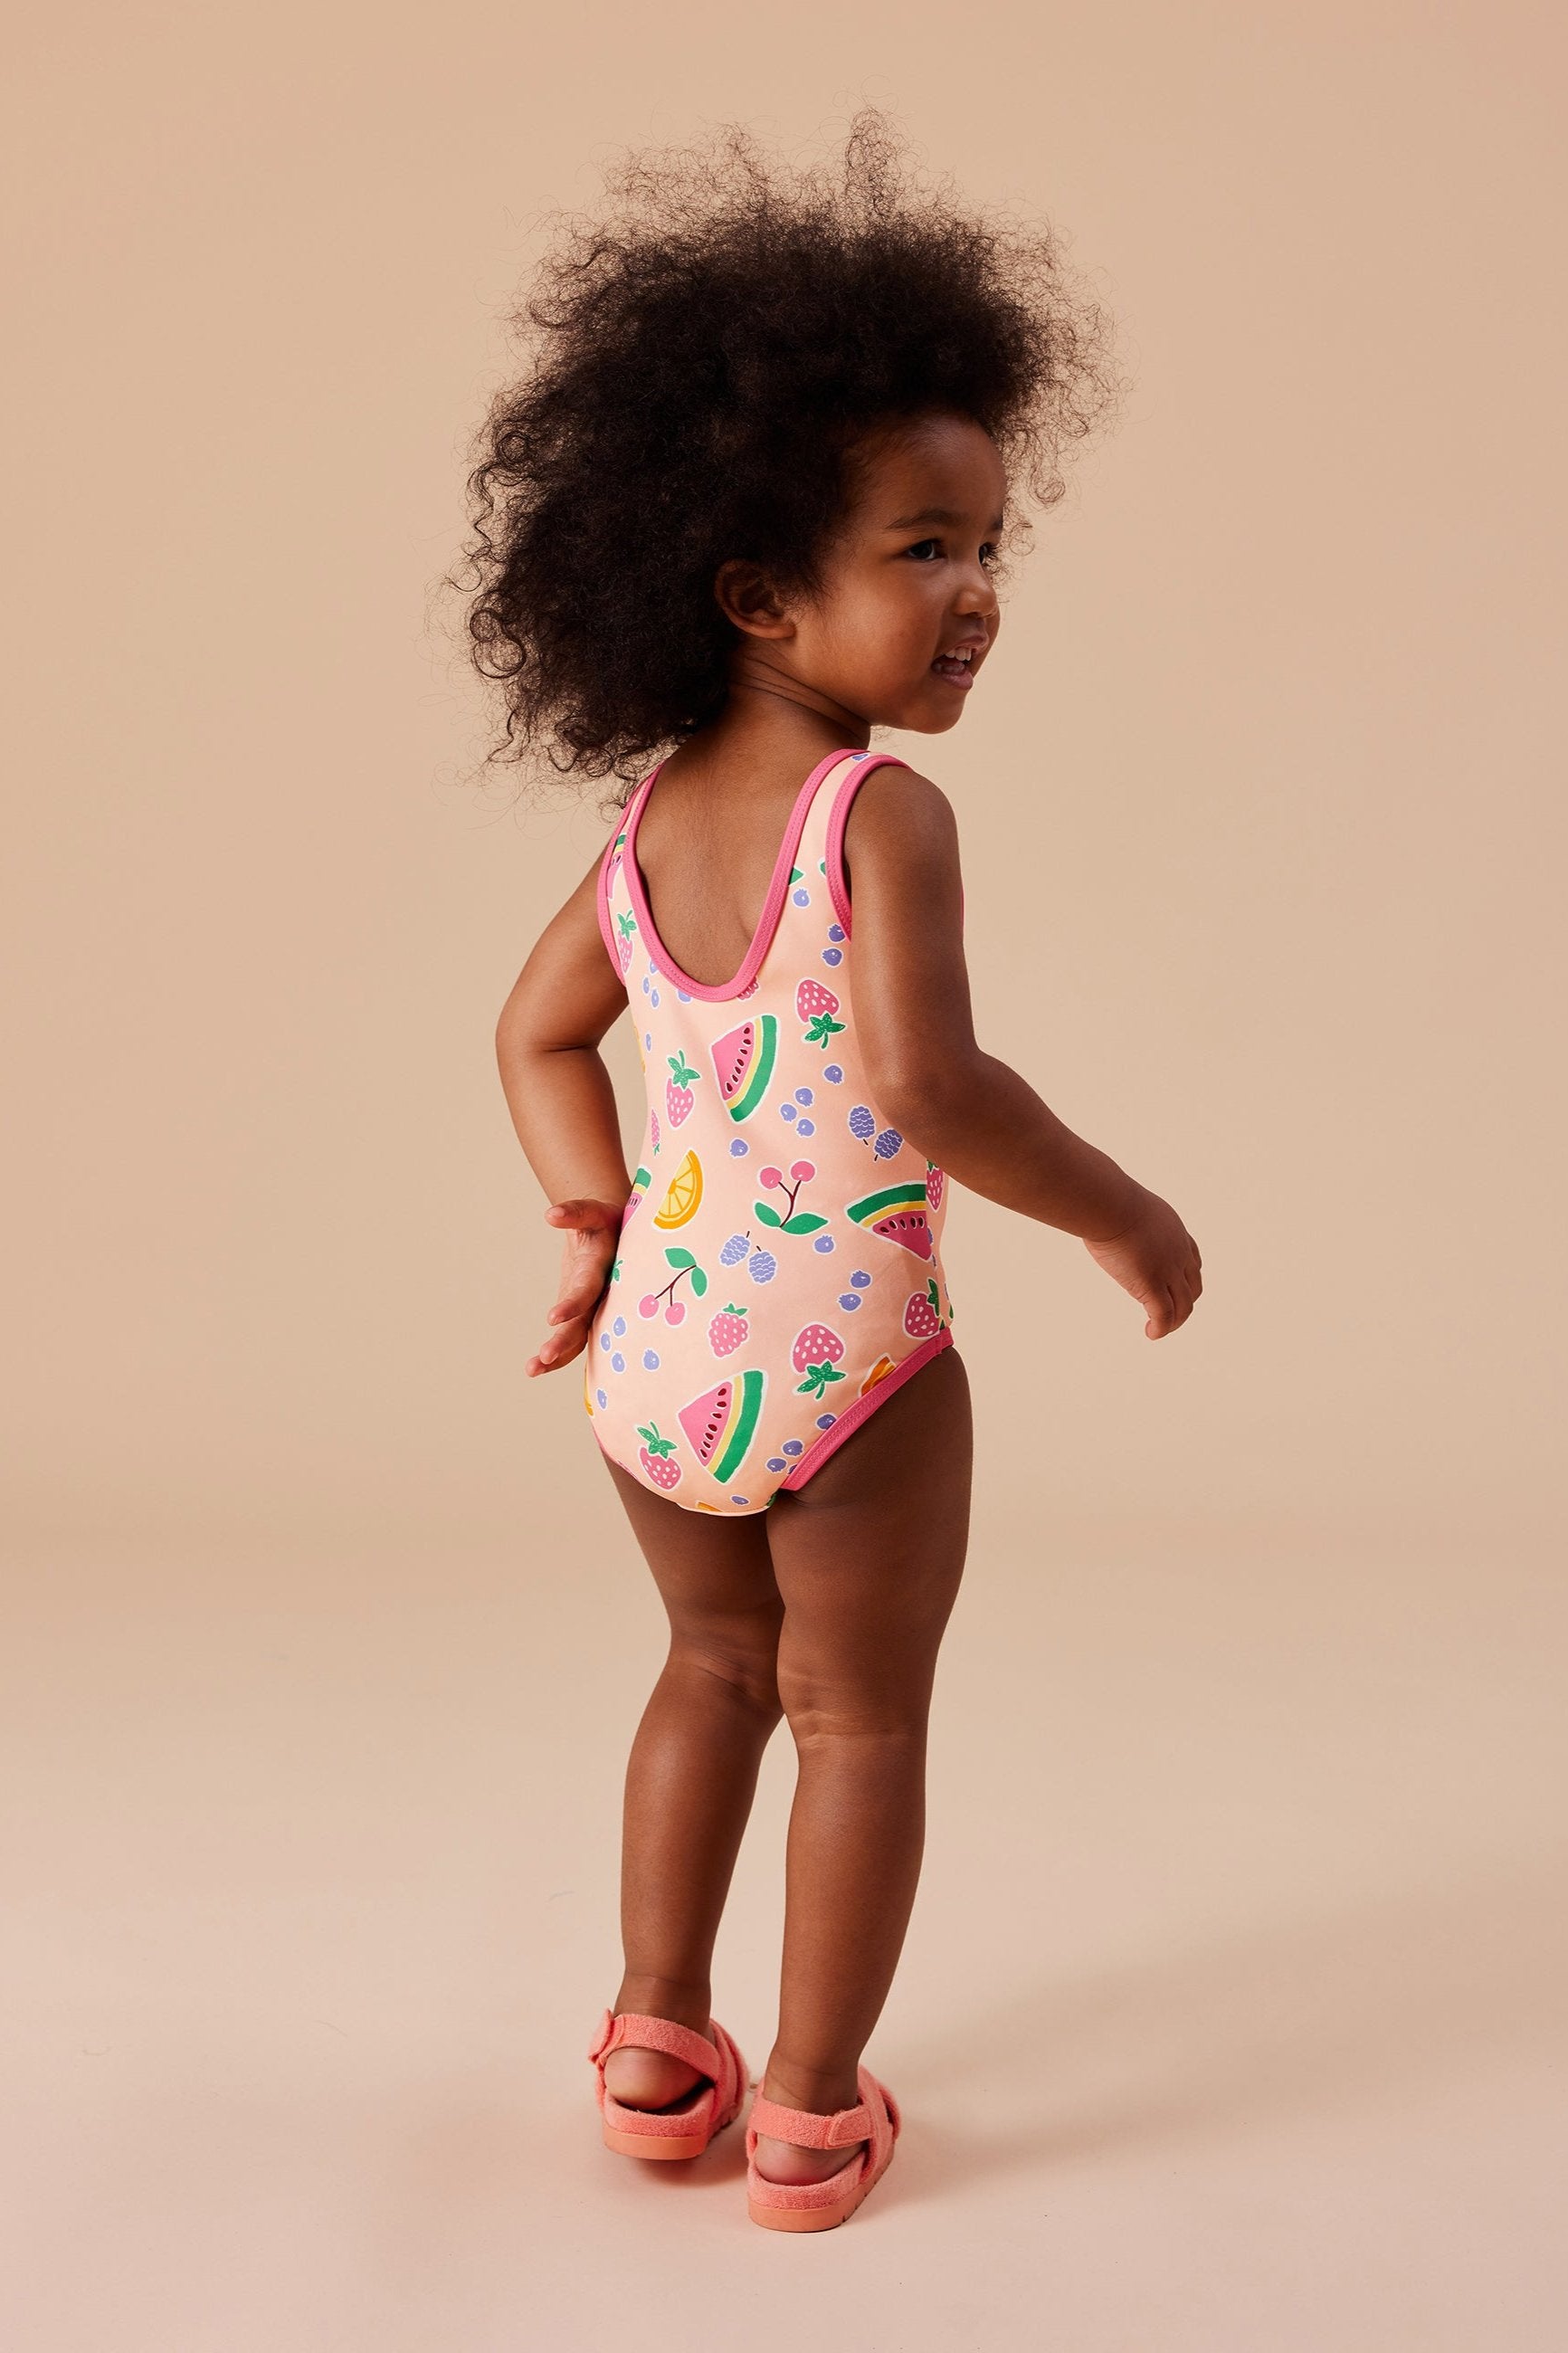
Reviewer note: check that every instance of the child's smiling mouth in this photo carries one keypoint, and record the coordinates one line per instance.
(958, 667)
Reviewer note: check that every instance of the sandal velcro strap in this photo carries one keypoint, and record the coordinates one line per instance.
(805, 2129)
(644, 2034)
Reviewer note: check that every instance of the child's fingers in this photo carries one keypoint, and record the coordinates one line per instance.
(586, 1217)
(580, 1296)
(1169, 1308)
(559, 1349)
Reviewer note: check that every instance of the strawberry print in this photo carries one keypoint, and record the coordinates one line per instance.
(728, 1330)
(934, 1183)
(922, 1316)
(656, 1455)
(818, 1350)
(816, 1006)
(677, 1095)
(625, 925)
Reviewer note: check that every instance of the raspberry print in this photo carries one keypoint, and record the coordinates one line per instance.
(728, 1330)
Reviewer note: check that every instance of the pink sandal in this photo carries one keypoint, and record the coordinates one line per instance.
(818, 2205)
(685, 2131)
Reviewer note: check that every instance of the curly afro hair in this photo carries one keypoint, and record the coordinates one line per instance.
(704, 353)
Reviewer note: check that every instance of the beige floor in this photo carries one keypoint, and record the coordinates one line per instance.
(1233, 2015)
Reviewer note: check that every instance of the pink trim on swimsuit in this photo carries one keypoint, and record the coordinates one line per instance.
(773, 906)
(852, 1416)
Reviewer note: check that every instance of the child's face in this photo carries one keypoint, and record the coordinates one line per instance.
(907, 607)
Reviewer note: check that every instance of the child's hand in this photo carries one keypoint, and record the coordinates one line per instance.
(1157, 1260)
(593, 1232)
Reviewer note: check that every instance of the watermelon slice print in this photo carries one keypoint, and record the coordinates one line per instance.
(743, 1062)
(722, 1424)
(897, 1212)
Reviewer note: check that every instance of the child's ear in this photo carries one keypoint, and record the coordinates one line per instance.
(747, 597)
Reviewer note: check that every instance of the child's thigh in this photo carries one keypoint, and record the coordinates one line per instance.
(870, 1553)
(714, 1575)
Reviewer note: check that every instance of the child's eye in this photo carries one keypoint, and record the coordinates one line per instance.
(921, 545)
(990, 553)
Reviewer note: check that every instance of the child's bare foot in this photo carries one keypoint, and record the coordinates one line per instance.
(785, 2160)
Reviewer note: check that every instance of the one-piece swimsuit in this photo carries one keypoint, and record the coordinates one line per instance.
(778, 1273)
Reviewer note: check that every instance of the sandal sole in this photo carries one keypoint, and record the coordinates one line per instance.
(662, 2146)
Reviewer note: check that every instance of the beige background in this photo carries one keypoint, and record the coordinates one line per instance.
(1232, 2010)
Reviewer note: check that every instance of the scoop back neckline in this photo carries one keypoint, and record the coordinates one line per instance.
(773, 906)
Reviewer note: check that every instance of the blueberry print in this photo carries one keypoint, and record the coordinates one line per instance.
(617, 1362)
(619, 1327)
(837, 932)
(603, 1399)
(832, 956)
(806, 1127)
(803, 1095)
(788, 1110)
(777, 1463)
(834, 1073)
(823, 1242)
(651, 1360)
(739, 1148)
(825, 1420)
(793, 1446)
(859, 1278)
(850, 1299)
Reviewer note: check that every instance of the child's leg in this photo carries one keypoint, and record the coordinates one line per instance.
(867, 1556)
(693, 1768)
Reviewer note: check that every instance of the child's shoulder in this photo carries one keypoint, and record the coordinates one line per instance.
(900, 844)
(900, 811)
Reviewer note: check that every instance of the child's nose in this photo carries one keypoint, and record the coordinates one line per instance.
(978, 595)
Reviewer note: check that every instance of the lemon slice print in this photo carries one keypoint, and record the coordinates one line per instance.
(685, 1192)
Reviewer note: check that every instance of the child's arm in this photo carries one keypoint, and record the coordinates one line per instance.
(972, 1114)
(563, 1107)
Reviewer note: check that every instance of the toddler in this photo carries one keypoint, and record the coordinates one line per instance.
(747, 505)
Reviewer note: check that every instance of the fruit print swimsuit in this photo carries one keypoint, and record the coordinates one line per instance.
(778, 1273)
